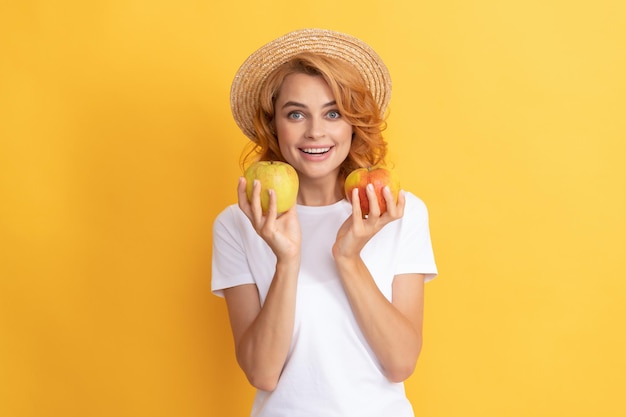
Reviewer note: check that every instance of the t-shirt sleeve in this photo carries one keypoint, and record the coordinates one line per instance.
(229, 262)
(416, 251)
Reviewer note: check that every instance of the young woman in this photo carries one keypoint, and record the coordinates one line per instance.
(325, 305)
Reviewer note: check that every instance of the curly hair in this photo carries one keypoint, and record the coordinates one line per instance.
(354, 101)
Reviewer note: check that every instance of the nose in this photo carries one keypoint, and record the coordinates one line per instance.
(315, 128)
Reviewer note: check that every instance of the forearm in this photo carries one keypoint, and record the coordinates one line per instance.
(395, 340)
(263, 348)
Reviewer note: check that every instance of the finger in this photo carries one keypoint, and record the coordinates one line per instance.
(272, 207)
(394, 208)
(255, 202)
(401, 203)
(390, 201)
(242, 197)
(356, 205)
(373, 201)
(269, 218)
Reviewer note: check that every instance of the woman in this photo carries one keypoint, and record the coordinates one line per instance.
(325, 306)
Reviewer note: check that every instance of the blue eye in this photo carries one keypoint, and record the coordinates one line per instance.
(295, 115)
(334, 114)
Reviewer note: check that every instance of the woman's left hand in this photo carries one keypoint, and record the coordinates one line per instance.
(356, 231)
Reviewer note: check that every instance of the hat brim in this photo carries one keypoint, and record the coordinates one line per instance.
(244, 94)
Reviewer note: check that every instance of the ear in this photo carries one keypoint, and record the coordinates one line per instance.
(272, 127)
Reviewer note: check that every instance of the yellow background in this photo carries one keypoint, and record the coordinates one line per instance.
(117, 150)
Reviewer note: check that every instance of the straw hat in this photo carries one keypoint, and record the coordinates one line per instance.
(244, 93)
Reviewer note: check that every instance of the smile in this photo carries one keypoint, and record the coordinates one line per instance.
(315, 151)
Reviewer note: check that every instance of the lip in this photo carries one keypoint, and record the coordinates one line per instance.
(319, 156)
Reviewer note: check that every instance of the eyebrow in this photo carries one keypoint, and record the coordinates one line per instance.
(297, 104)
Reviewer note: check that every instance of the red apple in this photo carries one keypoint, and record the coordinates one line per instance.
(275, 175)
(379, 177)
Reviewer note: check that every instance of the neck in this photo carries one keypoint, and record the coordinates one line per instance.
(320, 193)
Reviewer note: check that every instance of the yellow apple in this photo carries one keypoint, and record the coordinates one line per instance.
(273, 175)
(379, 177)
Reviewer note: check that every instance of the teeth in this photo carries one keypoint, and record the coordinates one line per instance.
(315, 150)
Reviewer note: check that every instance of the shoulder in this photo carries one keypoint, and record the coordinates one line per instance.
(228, 213)
(229, 218)
(415, 205)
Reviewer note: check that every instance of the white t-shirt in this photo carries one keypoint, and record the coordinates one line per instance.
(330, 369)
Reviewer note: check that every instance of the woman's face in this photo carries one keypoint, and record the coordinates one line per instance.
(312, 135)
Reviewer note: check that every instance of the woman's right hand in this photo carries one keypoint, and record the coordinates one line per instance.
(281, 232)
(263, 333)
